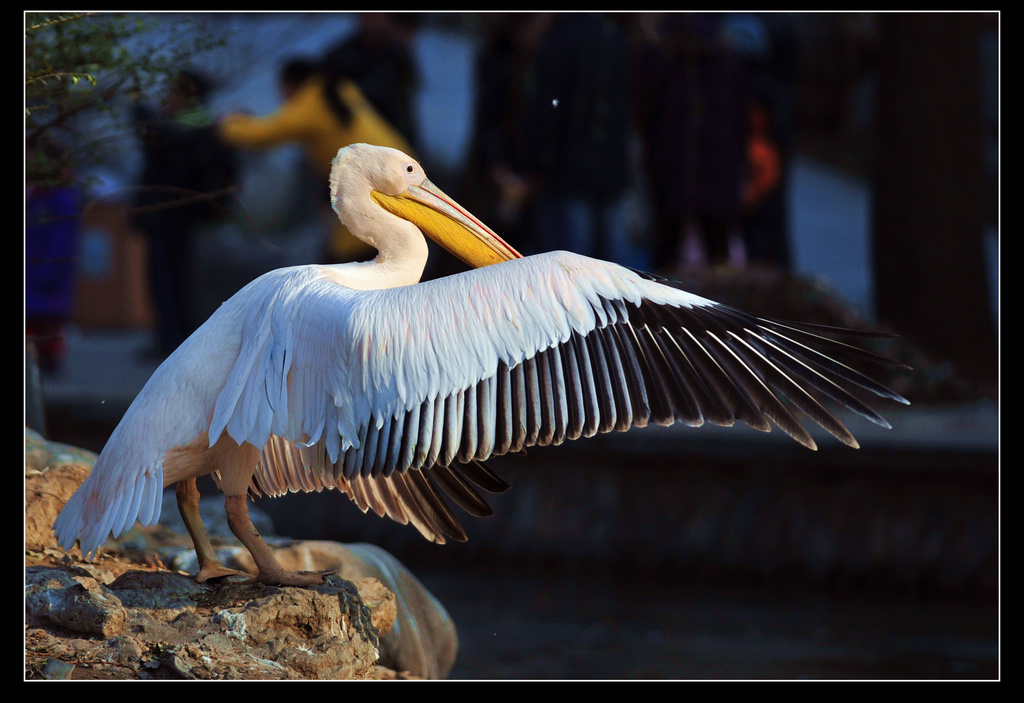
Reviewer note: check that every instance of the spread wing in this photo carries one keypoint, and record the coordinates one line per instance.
(397, 396)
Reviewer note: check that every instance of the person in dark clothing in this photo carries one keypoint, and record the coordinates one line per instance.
(577, 137)
(773, 84)
(692, 98)
(493, 185)
(184, 182)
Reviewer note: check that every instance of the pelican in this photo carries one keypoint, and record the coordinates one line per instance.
(361, 378)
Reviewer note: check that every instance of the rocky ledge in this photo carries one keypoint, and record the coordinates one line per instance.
(134, 612)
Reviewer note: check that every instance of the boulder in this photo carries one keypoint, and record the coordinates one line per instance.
(134, 612)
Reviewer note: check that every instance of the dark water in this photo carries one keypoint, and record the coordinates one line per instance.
(517, 623)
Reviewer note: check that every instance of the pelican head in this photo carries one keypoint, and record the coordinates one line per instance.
(397, 184)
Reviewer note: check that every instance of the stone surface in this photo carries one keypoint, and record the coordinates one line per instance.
(126, 615)
(162, 625)
(423, 637)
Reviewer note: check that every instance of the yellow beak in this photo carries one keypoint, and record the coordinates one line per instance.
(448, 224)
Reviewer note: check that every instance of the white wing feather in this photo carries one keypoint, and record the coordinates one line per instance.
(335, 362)
(394, 395)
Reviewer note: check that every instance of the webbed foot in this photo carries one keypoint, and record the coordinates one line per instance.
(217, 571)
(294, 578)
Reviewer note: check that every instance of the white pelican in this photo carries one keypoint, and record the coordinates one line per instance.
(361, 378)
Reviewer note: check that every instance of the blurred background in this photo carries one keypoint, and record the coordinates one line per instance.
(833, 167)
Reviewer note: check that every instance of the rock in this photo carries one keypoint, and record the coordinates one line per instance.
(124, 615)
(52, 473)
(41, 453)
(422, 641)
(161, 625)
(80, 604)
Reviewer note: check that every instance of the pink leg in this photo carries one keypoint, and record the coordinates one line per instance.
(188, 505)
(270, 570)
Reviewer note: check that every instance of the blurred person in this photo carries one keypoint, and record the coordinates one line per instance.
(774, 59)
(52, 236)
(493, 185)
(184, 184)
(378, 58)
(321, 111)
(577, 135)
(764, 238)
(692, 99)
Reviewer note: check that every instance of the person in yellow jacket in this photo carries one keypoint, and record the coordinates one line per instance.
(321, 123)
